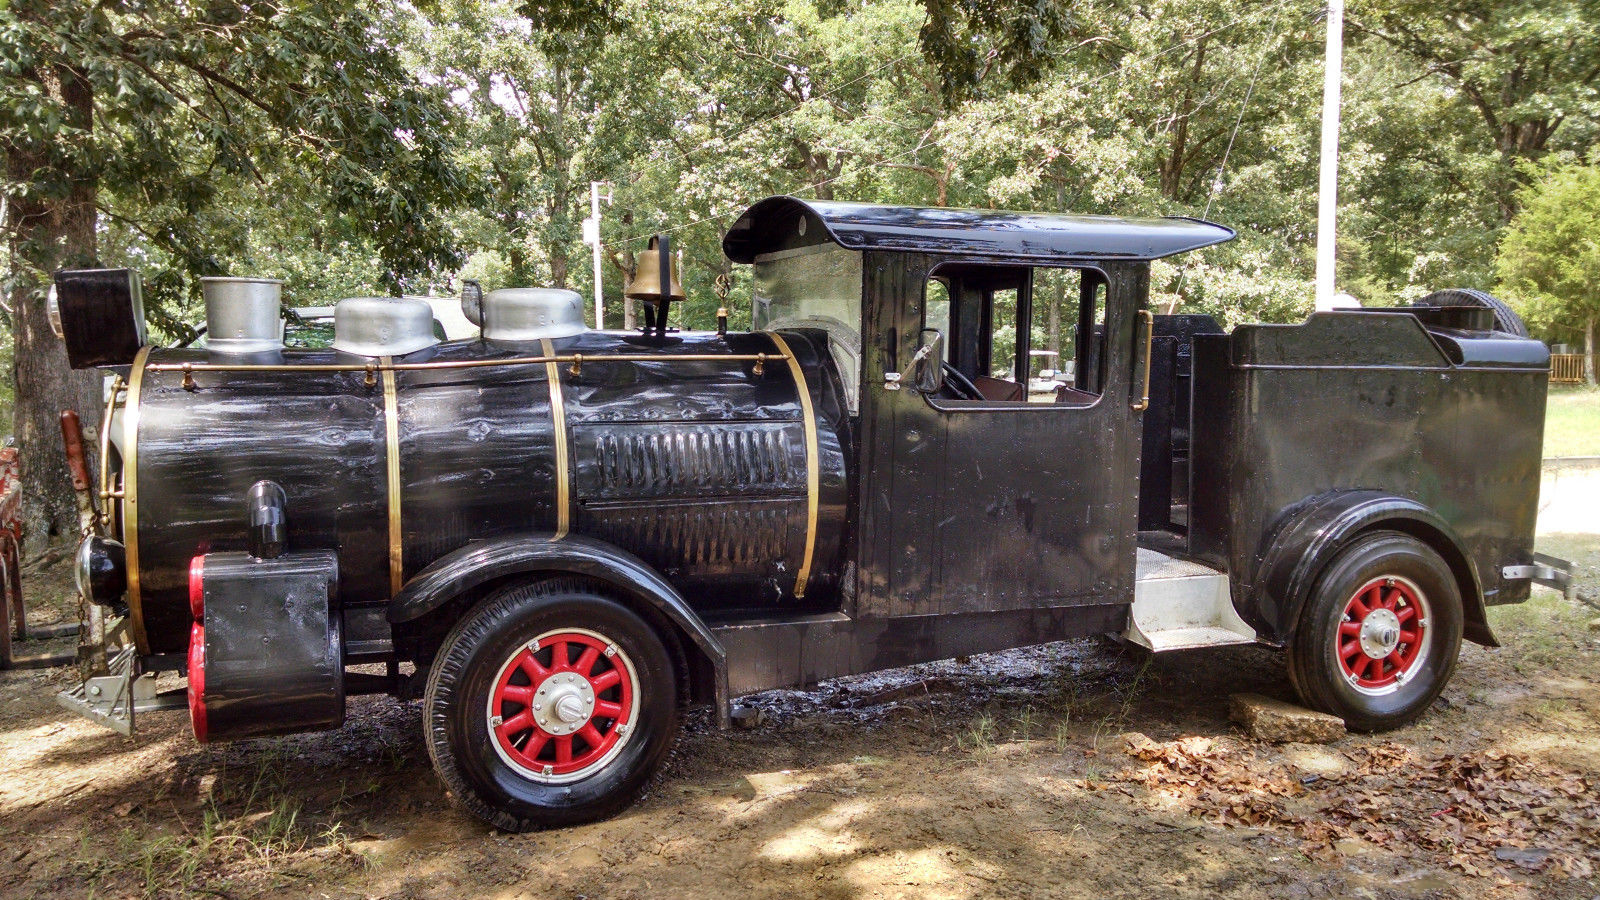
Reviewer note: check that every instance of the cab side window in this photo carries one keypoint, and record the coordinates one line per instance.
(1014, 334)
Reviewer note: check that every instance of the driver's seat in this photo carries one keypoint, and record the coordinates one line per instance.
(998, 390)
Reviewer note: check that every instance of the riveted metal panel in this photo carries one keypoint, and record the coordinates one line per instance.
(1287, 414)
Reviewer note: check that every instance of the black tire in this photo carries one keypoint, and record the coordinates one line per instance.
(495, 781)
(1404, 572)
(1505, 318)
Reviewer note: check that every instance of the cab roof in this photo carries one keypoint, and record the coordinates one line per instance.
(783, 223)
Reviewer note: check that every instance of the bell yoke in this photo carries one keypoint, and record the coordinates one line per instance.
(558, 538)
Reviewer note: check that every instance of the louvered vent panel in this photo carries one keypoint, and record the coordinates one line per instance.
(656, 460)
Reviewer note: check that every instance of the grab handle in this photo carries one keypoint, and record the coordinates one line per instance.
(1149, 321)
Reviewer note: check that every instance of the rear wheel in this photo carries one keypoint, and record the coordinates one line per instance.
(1378, 639)
(550, 704)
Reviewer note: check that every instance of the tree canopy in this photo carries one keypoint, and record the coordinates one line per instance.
(1550, 253)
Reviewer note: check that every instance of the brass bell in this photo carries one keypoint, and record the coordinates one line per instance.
(646, 283)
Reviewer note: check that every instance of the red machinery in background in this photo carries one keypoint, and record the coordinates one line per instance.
(13, 621)
(13, 612)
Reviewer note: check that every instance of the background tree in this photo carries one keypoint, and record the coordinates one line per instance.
(1550, 255)
(1529, 69)
(172, 130)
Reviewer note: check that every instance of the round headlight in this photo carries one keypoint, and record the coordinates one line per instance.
(52, 305)
(100, 570)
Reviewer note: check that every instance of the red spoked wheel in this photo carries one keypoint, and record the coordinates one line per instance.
(1382, 639)
(1379, 633)
(563, 705)
(533, 720)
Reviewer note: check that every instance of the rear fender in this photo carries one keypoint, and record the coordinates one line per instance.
(480, 562)
(1306, 538)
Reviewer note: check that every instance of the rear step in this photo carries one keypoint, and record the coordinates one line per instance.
(1178, 605)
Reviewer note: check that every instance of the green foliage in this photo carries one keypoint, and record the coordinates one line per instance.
(1527, 68)
(964, 38)
(358, 148)
(1550, 255)
(235, 135)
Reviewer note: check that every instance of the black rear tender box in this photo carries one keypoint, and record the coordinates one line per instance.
(1365, 400)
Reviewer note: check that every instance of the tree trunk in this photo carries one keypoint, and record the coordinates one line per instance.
(1170, 168)
(625, 263)
(1588, 350)
(50, 227)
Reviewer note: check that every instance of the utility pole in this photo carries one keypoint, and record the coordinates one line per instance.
(1328, 186)
(591, 236)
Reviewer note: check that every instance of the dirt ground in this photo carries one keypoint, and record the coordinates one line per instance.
(1013, 774)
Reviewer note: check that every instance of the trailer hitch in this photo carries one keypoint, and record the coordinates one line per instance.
(1547, 570)
(115, 698)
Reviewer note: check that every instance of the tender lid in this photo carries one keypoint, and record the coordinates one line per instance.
(531, 314)
(383, 326)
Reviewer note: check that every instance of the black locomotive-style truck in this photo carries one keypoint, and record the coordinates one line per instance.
(559, 537)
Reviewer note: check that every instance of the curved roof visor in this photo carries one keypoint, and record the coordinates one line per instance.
(779, 223)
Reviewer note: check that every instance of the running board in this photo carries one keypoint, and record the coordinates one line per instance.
(1179, 605)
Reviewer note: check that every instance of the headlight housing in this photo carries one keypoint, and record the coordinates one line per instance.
(101, 570)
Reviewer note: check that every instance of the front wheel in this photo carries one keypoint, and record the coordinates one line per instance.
(1378, 638)
(550, 704)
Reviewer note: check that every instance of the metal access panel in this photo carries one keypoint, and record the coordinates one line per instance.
(272, 662)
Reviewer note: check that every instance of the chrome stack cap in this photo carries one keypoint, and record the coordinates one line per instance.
(383, 326)
(531, 314)
(243, 315)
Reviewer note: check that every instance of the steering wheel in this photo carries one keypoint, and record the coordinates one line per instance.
(959, 384)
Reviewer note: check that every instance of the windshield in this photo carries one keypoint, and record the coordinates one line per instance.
(814, 287)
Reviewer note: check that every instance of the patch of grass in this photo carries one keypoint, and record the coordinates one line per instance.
(1544, 632)
(1022, 726)
(1572, 421)
(1063, 735)
(979, 738)
(1116, 719)
(251, 821)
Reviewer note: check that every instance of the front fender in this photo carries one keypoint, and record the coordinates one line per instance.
(481, 562)
(1306, 538)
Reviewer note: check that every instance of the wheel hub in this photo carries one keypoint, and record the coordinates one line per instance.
(563, 702)
(1380, 633)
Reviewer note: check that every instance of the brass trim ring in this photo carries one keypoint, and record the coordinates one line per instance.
(130, 498)
(813, 476)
